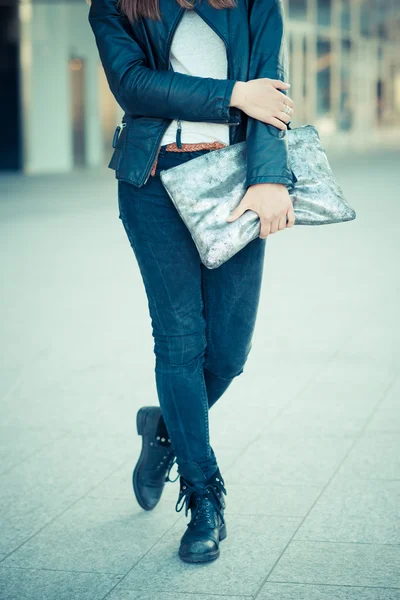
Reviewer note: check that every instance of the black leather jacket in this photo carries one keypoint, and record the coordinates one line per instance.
(136, 61)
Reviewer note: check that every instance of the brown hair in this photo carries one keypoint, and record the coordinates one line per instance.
(134, 9)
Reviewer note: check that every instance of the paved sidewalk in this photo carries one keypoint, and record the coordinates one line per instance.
(308, 437)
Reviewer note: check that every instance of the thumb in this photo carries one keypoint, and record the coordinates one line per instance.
(237, 212)
(280, 85)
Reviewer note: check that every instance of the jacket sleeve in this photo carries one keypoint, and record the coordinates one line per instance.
(267, 150)
(145, 92)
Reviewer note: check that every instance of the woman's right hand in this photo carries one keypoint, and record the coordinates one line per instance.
(262, 100)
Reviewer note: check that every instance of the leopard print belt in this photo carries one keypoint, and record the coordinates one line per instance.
(187, 148)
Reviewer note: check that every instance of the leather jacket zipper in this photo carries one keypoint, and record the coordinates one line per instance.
(117, 132)
(168, 121)
(178, 121)
(229, 64)
(179, 134)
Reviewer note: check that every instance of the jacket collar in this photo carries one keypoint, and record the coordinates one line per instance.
(172, 12)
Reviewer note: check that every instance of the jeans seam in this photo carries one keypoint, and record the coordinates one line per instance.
(207, 309)
(205, 406)
(206, 338)
(182, 430)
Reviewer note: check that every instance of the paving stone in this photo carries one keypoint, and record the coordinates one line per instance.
(370, 348)
(387, 416)
(96, 534)
(339, 368)
(120, 594)
(376, 455)
(75, 462)
(299, 591)
(18, 443)
(45, 484)
(28, 513)
(91, 381)
(289, 459)
(355, 511)
(252, 546)
(118, 486)
(32, 584)
(339, 564)
(254, 416)
(270, 499)
(333, 408)
(325, 331)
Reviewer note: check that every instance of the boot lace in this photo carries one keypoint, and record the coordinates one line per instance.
(204, 496)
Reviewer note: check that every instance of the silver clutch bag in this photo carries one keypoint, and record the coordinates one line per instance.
(206, 189)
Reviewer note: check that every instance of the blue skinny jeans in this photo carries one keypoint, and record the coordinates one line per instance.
(202, 319)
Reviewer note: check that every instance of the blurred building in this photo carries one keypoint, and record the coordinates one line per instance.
(344, 71)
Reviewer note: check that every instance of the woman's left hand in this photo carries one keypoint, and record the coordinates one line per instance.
(272, 203)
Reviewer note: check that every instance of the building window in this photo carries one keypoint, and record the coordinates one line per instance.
(324, 72)
(324, 12)
(304, 48)
(366, 19)
(345, 15)
(345, 112)
(298, 9)
(77, 82)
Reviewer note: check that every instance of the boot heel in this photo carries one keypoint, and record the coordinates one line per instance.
(222, 532)
(141, 420)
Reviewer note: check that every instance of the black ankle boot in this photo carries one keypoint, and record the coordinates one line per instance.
(155, 460)
(204, 498)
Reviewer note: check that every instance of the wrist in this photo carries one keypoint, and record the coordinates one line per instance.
(238, 95)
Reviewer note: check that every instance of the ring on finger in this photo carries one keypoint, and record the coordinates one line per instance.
(287, 109)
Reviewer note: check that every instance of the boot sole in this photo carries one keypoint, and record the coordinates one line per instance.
(207, 556)
(141, 418)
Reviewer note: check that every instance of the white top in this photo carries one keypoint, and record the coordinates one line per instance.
(197, 50)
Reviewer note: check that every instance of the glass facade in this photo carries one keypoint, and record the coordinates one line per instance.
(344, 70)
(345, 64)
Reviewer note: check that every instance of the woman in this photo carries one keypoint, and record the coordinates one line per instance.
(191, 79)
